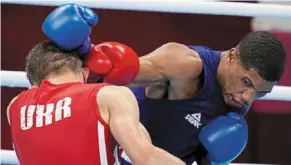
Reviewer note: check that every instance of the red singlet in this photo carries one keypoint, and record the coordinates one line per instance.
(60, 124)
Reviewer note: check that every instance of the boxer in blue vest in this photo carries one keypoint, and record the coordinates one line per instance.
(192, 99)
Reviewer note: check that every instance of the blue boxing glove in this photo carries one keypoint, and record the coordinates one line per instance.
(224, 138)
(69, 27)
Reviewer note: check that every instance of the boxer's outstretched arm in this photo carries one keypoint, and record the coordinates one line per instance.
(170, 61)
(126, 129)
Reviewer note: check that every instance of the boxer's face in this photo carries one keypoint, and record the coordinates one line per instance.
(241, 86)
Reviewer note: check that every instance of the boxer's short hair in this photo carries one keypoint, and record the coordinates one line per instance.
(45, 58)
(265, 53)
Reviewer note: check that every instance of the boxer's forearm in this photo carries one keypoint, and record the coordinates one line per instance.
(160, 156)
(148, 75)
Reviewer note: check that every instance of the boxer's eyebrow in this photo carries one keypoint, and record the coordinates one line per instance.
(263, 91)
(250, 82)
(256, 89)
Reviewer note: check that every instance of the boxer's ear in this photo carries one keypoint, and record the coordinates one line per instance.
(232, 55)
(85, 73)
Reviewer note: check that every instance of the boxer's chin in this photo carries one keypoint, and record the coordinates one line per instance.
(226, 98)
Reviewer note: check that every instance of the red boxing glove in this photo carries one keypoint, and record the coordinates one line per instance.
(117, 62)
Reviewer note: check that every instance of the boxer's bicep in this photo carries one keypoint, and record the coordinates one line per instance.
(170, 61)
(125, 126)
(149, 74)
(178, 61)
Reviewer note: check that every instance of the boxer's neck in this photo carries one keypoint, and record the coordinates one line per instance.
(65, 77)
(221, 68)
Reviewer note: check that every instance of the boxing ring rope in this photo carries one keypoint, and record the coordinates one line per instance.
(18, 79)
(283, 93)
(11, 159)
(176, 6)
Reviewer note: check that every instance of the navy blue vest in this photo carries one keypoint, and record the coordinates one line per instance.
(174, 125)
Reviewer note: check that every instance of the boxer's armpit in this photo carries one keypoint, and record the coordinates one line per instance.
(170, 61)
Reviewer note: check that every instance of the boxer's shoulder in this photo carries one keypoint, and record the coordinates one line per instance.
(109, 89)
(111, 94)
(8, 108)
(13, 100)
(188, 61)
(176, 61)
(109, 98)
(178, 49)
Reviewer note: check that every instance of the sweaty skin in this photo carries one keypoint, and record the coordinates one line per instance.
(122, 115)
(176, 76)
(174, 70)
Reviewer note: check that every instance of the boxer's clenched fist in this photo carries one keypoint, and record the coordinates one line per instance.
(69, 27)
(117, 62)
(224, 138)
